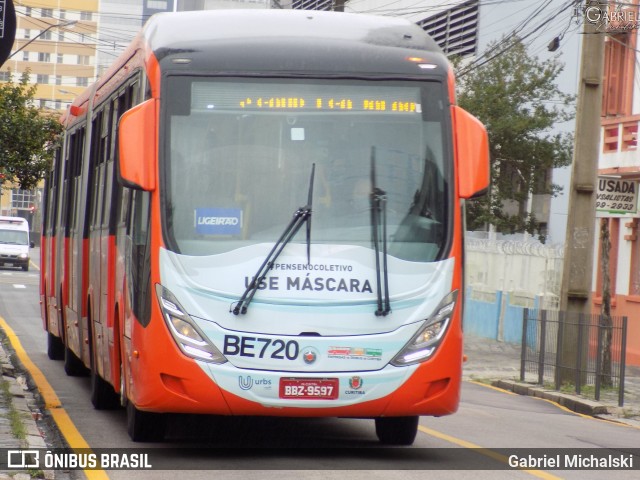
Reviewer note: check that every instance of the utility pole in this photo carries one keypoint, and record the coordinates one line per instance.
(575, 295)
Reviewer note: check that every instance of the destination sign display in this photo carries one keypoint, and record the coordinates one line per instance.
(319, 103)
(210, 96)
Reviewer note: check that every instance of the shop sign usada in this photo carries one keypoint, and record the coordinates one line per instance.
(616, 196)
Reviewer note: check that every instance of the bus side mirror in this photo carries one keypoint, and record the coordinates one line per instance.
(472, 151)
(138, 146)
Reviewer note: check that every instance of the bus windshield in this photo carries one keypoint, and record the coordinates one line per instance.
(239, 155)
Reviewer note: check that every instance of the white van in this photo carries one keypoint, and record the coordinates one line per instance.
(14, 242)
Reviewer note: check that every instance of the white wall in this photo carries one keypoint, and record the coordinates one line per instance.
(512, 263)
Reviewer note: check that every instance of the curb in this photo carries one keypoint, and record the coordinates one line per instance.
(575, 404)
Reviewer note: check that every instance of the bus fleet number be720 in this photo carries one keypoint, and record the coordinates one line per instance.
(260, 347)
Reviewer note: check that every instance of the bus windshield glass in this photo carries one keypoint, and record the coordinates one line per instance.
(239, 155)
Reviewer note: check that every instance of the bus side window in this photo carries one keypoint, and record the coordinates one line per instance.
(52, 194)
(76, 171)
(138, 255)
(97, 174)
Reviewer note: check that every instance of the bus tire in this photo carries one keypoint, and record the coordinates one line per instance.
(397, 430)
(73, 366)
(145, 426)
(103, 395)
(55, 347)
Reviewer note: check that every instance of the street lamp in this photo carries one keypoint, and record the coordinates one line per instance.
(63, 24)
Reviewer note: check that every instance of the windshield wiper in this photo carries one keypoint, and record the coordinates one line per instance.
(378, 199)
(300, 216)
(309, 206)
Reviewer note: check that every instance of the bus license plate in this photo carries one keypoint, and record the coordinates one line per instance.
(309, 388)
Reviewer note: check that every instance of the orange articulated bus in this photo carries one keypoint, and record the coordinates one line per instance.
(261, 213)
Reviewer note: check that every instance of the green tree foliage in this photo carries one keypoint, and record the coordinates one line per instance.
(516, 97)
(27, 135)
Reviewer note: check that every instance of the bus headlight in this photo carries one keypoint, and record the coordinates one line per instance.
(191, 341)
(429, 337)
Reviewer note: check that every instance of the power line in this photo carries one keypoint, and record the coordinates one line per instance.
(97, 41)
(508, 41)
(97, 13)
(414, 9)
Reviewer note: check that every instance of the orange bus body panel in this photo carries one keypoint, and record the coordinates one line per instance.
(182, 386)
(471, 153)
(138, 144)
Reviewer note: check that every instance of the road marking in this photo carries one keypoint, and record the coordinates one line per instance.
(484, 451)
(18, 285)
(475, 382)
(51, 401)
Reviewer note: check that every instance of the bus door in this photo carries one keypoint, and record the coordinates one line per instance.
(73, 258)
(99, 236)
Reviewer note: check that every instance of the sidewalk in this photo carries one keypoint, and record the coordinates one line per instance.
(20, 416)
(498, 363)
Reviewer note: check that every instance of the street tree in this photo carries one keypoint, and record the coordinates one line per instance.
(606, 322)
(515, 95)
(28, 135)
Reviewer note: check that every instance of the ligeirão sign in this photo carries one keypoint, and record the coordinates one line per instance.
(616, 196)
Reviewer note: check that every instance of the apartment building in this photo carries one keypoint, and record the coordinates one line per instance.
(56, 43)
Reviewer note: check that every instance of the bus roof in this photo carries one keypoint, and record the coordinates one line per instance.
(271, 41)
(289, 40)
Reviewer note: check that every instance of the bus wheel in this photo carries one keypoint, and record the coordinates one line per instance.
(145, 426)
(103, 395)
(73, 366)
(55, 347)
(397, 430)
(123, 388)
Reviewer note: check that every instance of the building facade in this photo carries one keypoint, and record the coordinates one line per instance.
(56, 44)
(617, 208)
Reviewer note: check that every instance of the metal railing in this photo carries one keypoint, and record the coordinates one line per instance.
(571, 351)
